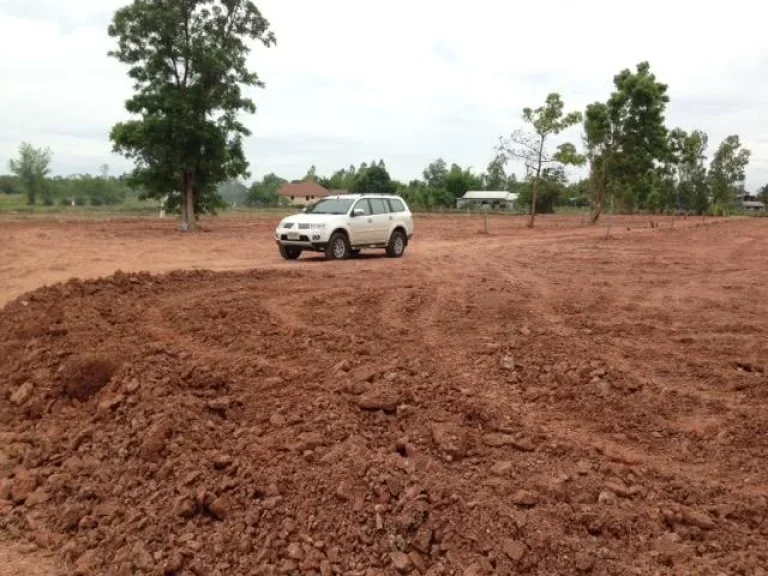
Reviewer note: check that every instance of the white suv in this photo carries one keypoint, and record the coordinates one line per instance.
(342, 225)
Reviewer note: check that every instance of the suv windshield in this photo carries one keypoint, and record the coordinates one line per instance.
(330, 206)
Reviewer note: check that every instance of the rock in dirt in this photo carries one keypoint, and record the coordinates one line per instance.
(401, 562)
(221, 507)
(36, 498)
(154, 441)
(620, 489)
(423, 539)
(475, 569)
(502, 468)
(514, 549)
(496, 440)
(382, 398)
(22, 394)
(699, 519)
(606, 498)
(508, 363)
(5, 489)
(450, 438)
(584, 562)
(186, 507)
(222, 461)
(141, 558)
(109, 404)
(132, 386)
(23, 485)
(173, 564)
(524, 499)
(87, 563)
(294, 551)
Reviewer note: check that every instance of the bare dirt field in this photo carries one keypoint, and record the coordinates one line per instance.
(530, 401)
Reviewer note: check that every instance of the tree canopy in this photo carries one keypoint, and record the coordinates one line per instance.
(187, 59)
(32, 167)
(530, 146)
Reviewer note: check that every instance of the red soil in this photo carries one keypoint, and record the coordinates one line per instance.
(543, 402)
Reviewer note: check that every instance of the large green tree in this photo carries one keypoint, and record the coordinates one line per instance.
(530, 146)
(436, 173)
(373, 179)
(626, 139)
(727, 172)
(689, 154)
(459, 180)
(495, 177)
(265, 191)
(188, 61)
(342, 179)
(32, 167)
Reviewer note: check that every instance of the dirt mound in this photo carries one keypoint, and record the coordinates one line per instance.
(236, 424)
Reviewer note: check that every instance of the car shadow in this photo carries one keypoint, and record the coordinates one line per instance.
(316, 257)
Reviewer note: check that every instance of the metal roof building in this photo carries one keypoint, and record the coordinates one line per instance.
(490, 198)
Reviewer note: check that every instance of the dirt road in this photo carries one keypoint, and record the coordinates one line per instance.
(538, 401)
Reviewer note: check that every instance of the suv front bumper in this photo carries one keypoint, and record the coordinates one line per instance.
(305, 239)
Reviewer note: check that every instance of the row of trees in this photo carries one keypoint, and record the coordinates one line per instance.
(441, 184)
(31, 176)
(635, 161)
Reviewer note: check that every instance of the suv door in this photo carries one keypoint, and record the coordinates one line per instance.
(382, 220)
(361, 227)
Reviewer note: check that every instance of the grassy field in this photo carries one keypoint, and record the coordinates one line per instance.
(15, 205)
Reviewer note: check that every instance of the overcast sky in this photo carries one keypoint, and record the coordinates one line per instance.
(354, 80)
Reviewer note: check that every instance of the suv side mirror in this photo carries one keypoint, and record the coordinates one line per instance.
(358, 212)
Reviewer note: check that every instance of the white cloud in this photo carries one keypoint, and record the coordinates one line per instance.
(350, 81)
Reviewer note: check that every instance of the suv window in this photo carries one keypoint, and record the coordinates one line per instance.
(362, 204)
(379, 205)
(330, 206)
(396, 205)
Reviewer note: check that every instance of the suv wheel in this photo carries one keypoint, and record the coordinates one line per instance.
(338, 247)
(396, 246)
(290, 252)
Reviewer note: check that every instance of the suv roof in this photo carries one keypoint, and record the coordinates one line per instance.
(361, 194)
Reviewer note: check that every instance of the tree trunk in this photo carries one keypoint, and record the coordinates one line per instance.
(187, 203)
(191, 220)
(595, 216)
(540, 159)
(532, 221)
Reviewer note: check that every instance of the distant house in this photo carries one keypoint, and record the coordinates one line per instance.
(752, 205)
(302, 193)
(749, 202)
(496, 199)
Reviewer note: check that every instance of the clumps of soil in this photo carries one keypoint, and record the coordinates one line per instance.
(216, 432)
(81, 377)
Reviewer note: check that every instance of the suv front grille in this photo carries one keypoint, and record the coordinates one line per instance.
(303, 226)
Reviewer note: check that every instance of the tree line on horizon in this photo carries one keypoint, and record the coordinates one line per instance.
(187, 142)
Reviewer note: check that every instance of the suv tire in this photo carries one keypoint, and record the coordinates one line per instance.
(290, 252)
(338, 247)
(397, 244)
